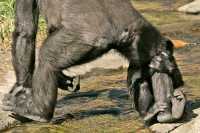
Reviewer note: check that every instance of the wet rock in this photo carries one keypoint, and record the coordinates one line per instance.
(164, 128)
(192, 8)
(189, 124)
(192, 126)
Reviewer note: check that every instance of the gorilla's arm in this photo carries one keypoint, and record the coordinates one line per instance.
(23, 46)
(133, 82)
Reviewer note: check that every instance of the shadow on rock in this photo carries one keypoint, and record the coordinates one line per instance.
(189, 113)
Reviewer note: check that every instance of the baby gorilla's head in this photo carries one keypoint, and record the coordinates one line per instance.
(162, 63)
(164, 60)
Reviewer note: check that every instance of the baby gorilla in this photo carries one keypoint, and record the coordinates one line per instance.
(160, 99)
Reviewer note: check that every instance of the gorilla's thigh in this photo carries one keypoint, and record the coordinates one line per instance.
(60, 51)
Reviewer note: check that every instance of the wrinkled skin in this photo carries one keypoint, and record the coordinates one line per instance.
(79, 31)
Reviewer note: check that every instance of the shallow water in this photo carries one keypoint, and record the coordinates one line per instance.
(105, 106)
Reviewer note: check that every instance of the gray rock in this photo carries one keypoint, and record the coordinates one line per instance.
(192, 8)
(189, 124)
(165, 128)
(192, 126)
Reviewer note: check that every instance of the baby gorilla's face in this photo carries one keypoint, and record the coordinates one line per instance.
(162, 63)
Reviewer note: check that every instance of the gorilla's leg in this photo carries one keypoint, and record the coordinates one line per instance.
(68, 83)
(23, 43)
(172, 100)
(23, 47)
(56, 54)
(133, 79)
(163, 92)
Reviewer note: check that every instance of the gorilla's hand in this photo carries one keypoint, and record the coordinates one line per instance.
(71, 84)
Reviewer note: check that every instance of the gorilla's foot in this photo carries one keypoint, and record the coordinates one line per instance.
(22, 107)
(164, 117)
(178, 104)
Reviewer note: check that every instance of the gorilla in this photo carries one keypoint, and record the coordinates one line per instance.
(161, 100)
(80, 31)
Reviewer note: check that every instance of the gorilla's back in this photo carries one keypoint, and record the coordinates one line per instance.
(90, 19)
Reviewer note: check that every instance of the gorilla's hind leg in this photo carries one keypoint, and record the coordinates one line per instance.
(59, 52)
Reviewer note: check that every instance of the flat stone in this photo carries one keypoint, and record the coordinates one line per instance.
(192, 126)
(192, 8)
(164, 128)
(189, 124)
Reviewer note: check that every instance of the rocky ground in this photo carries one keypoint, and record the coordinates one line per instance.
(102, 104)
(193, 7)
